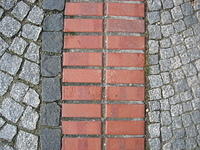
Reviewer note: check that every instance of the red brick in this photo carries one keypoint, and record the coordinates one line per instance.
(125, 127)
(125, 60)
(81, 127)
(81, 110)
(81, 93)
(126, 9)
(125, 110)
(84, 9)
(81, 144)
(125, 93)
(126, 42)
(82, 59)
(119, 25)
(82, 75)
(83, 25)
(83, 42)
(125, 143)
(125, 76)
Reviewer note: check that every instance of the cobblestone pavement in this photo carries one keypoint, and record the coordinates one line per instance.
(174, 79)
(29, 74)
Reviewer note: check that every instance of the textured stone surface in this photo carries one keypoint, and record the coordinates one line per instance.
(5, 81)
(53, 5)
(32, 98)
(50, 114)
(8, 132)
(51, 89)
(18, 45)
(11, 110)
(7, 4)
(50, 65)
(52, 41)
(3, 46)
(53, 22)
(9, 26)
(30, 72)
(36, 15)
(31, 32)
(26, 141)
(50, 139)
(33, 52)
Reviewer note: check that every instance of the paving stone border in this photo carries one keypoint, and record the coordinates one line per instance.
(173, 74)
(31, 42)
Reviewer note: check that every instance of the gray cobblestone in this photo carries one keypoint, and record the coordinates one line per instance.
(154, 130)
(53, 22)
(33, 52)
(177, 13)
(7, 4)
(153, 17)
(166, 133)
(155, 94)
(32, 98)
(154, 32)
(187, 9)
(8, 132)
(165, 43)
(166, 17)
(155, 81)
(187, 121)
(36, 15)
(165, 118)
(53, 5)
(31, 32)
(154, 4)
(155, 144)
(166, 53)
(18, 45)
(153, 46)
(5, 81)
(167, 91)
(154, 116)
(3, 46)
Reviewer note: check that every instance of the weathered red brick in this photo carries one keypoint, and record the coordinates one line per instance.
(125, 60)
(125, 9)
(125, 76)
(81, 127)
(82, 59)
(83, 25)
(125, 110)
(121, 25)
(81, 144)
(81, 93)
(84, 9)
(126, 42)
(82, 75)
(81, 110)
(125, 127)
(125, 93)
(83, 42)
(125, 143)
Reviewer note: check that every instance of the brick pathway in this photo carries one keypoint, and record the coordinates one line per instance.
(103, 76)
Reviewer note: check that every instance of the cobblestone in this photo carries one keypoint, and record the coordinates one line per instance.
(7, 4)
(33, 52)
(5, 81)
(36, 15)
(8, 132)
(3, 46)
(18, 45)
(32, 98)
(31, 32)
(53, 22)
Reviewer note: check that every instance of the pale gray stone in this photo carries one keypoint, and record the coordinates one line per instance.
(10, 63)
(165, 65)
(3, 46)
(155, 81)
(179, 49)
(166, 17)
(31, 32)
(153, 46)
(179, 26)
(190, 20)
(189, 69)
(155, 94)
(154, 144)
(165, 77)
(154, 116)
(176, 13)
(166, 53)
(153, 17)
(187, 121)
(18, 45)
(197, 64)
(165, 43)
(196, 103)
(178, 144)
(174, 100)
(177, 2)
(36, 15)
(154, 31)
(32, 98)
(8, 132)
(154, 130)
(26, 141)
(167, 4)
(6, 147)
(196, 116)
(154, 4)
(5, 81)
(191, 143)
(9, 26)
(187, 9)
(191, 131)
(165, 118)
(185, 58)
(7, 4)
(179, 133)
(153, 59)
(166, 133)
(2, 122)
(154, 105)
(177, 39)
(18, 91)
(187, 106)
(155, 69)
(30, 72)
(29, 119)
(167, 91)
(181, 86)
(177, 122)
(33, 52)
(176, 110)
(11, 110)
(175, 62)
(165, 104)
(21, 10)
(177, 74)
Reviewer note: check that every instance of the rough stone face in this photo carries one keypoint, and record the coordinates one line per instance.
(50, 65)
(26, 141)
(21, 10)
(50, 114)
(154, 31)
(7, 4)
(2, 122)
(5, 81)
(32, 98)
(9, 26)
(52, 41)
(155, 144)
(11, 110)
(153, 17)
(33, 52)
(10, 63)
(155, 81)
(53, 5)
(50, 139)
(154, 130)
(36, 15)
(6, 147)
(18, 45)
(51, 89)
(8, 132)
(29, 119)
(18, 91)
(30, 72)
(3, 46)
(31, 32)
(53, 22)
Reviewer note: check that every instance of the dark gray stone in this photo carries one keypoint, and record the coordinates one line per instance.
(178, 144)
(181, 86)
(191, 131)
(53, 22)
(190, 20)
(187, 9)
(53, 5)
(50, 65)
(50, 114)
(52, 41)
(51, 89)
(50, 139)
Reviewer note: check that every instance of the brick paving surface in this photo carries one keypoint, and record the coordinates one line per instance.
(103, 76)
